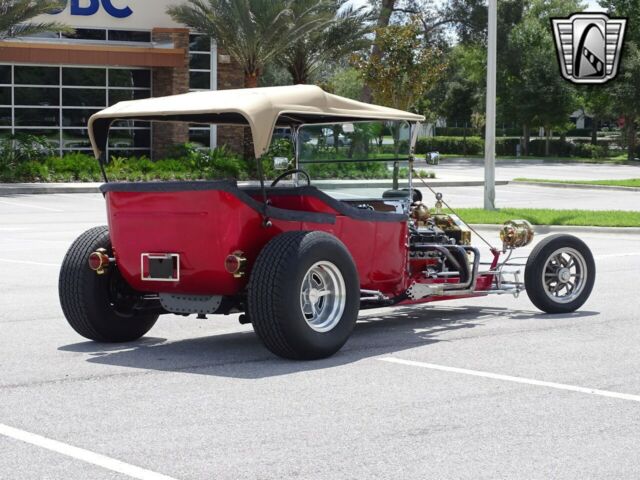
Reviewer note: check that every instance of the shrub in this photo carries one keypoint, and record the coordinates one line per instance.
(451, 145)
(507, 146)
(357, 170)
(591, 151)
(73, 166)
(20, 149)
(579, 132)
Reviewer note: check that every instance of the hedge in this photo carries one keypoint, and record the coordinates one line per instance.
(508, 147)
(451, 145)
(31, 159)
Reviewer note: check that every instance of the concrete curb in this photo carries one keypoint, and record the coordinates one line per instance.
(544, 229)
(577, 185)
(7, 189)
(417, 183)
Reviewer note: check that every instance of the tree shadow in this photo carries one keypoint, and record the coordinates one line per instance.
(241, 355)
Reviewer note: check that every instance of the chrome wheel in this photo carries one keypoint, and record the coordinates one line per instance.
(323, 296)
(564, 275)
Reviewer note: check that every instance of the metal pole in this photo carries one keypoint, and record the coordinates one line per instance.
(490, 136)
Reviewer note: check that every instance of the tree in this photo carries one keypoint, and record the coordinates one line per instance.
(535, 94)
(625, 95)
(15, 16)
(596, 100)
(384, 10)
(346, 82)
(462, 88)
(625, 89)
(253, 32)
(403, 70)
(341, 30)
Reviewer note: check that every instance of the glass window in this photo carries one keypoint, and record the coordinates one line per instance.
(84, 97)
(75, 138)
(5, 74)
(199, 61)
(130, 78)
(201, 137)
(47, 35)
(84, 77)
(76, 117)
(129, 138)
(52, 135)
(116, 96)
(130, 124)
(199, 43)
(37, 117)
(129, 36)
(86, 34)
(5, 95)
(36, 75)
(5, 117)
(45, 97)
(200, 80)
(5, 133)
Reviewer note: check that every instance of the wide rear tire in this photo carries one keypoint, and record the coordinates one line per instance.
(96, 306)
(304, 295)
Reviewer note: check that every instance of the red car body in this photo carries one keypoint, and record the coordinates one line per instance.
(204, 222)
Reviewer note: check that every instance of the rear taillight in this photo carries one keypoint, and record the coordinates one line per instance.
(235, 264)
(99, 261)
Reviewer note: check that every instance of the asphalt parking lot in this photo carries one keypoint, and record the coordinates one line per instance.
(482, 388)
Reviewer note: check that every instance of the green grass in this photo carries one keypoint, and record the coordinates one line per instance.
(630, 182)
(582, 218)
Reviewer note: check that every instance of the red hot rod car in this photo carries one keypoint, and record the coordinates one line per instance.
(297, 262)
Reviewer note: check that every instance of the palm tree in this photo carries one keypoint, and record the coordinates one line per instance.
(342, 31)
(15, 16)
(253, 32)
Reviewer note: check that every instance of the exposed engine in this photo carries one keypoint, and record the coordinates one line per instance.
(438, 242)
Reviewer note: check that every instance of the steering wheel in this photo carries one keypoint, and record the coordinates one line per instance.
(291, 172)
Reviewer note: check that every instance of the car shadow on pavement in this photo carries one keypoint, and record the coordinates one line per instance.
(241, 355)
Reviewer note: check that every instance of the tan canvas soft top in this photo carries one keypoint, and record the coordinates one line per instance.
(262, 109)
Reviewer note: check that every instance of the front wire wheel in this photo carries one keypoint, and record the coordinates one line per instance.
(560, 274)
(565, 275)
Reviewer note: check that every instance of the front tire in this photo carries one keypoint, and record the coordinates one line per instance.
(304, 295)
(99, 307)
(560, 274)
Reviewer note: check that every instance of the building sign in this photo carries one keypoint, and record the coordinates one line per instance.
(126, 14)
(93, 6)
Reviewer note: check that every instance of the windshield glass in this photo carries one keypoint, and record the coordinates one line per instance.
(341, 153)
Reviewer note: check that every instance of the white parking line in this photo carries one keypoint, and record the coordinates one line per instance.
(27, 262)
(81, 454)
(614, 255)
(26, 205)
(509, 378)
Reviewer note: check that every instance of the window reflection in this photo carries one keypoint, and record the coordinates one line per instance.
(36, 75)
(84, 77)
(46, 97)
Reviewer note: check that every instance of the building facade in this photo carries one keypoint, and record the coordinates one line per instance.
(121, 50)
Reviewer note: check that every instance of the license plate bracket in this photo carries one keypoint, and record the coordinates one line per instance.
(160, 267)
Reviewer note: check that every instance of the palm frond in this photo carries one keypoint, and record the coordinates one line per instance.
(15, 16)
